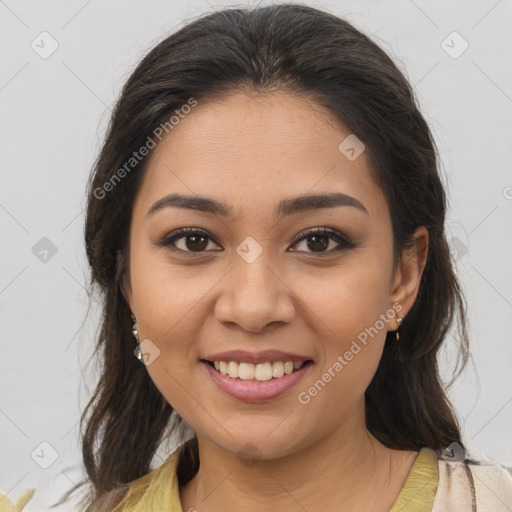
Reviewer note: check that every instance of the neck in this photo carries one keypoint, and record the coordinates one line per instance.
(343, 471)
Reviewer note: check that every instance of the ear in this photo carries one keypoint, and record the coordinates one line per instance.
(407, 275)
(124, 280)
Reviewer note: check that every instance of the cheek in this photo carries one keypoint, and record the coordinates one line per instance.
(348, 303)
(168, 296)
(348, 299)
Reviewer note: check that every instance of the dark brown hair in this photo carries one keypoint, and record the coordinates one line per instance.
(316, 55)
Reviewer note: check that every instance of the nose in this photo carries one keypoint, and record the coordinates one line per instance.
(254, 296)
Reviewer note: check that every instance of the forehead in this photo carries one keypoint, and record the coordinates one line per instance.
(250, 150)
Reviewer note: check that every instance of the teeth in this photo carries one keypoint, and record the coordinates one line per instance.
(246, 371)
(233, 369)
(260, 372)
(277, 369)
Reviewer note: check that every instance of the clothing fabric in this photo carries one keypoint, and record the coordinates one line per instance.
(432, 485)
(419, 489)
(159, 490)
(473, 486)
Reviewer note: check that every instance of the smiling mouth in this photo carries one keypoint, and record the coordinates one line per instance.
(257, 372)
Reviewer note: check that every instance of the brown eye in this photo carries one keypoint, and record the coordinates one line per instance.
(186, 240)
(196, 242)
(319, 239)
(318, 243)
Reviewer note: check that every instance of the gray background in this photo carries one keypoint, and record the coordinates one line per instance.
(53, 116)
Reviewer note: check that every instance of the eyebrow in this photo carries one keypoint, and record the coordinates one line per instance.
(285, 208)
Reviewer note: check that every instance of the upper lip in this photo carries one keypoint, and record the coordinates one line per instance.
(264, 356)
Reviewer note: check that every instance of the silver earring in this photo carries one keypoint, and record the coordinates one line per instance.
(137, 351)
(399, 320)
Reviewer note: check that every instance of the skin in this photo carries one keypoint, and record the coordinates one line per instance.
(252, 151)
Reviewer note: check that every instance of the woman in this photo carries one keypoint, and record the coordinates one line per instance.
(266, 226)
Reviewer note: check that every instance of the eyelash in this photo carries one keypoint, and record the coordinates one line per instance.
(344, 241)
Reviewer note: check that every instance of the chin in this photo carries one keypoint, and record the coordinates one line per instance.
(253, 444)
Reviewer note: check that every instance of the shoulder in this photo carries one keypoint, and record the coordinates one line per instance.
(157, 490)
(476, 483)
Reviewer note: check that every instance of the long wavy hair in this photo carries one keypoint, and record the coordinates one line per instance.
(304, 51)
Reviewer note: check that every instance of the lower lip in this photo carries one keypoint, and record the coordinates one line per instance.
(257, 391)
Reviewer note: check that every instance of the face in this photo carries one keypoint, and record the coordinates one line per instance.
(268, 288)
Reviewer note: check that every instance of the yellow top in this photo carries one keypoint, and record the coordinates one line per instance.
(158, 490)
(6, 505)
(419, 490)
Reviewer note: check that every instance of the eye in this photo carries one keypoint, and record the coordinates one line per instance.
(192, 240)
(317, 240)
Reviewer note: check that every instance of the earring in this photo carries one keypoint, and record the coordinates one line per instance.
(399, 320)
(137, 352)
